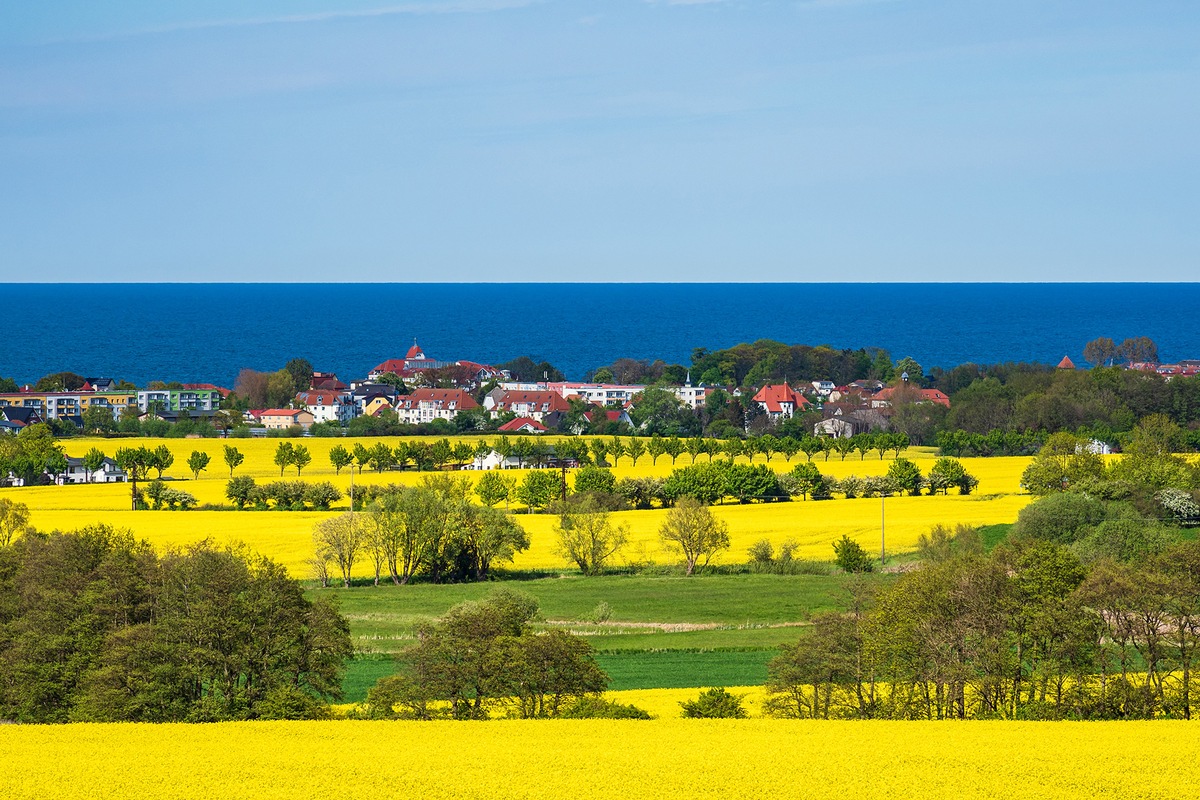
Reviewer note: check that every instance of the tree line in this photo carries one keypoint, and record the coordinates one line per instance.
(1089, 610)
(95, 626)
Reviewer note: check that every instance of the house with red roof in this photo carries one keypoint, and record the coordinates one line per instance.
(535, 404)
(522, 425)
(327, 405)
(280, 418)
(885, 397)
(415, 364)
(426, 405)
(780, 401)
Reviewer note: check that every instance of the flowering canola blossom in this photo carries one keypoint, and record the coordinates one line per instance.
(286, 536)
(665, 758)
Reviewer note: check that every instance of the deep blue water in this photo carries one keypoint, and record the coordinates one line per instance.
(207, 332)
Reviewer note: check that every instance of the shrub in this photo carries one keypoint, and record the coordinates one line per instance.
(595, 479)
(598, 708)
(322, 495)
(714, 704)
(851, 557)
(241, 491)
(1063, 517)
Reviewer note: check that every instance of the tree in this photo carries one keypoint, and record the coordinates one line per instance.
(714, 704)
(691, 527)
(163, 459)
(301, 458)
(136, 462)
(1061, 518)
(947, 472)
(595, 479)
(1139, 349)
(124, 634)
(1063, 461)
(233, 458)
(906, 475)
(14, 520)
(588, 537)
(284, 453)
(301, 372)
(806, 479)
(98, 419)
(198, 462)
(616, 449)
(655, 448)
(241, 491)
(851, 557)
(340, 457)
(341, 539)
(488, 536)
(493, 486)
(539, 488)
(93, 460)
(635, 449)
(1100, 352)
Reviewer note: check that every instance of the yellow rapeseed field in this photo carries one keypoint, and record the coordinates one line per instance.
(287, 536)
(665, 758)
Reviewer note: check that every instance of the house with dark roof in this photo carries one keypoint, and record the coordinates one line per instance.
(20, 416)
(77, 472)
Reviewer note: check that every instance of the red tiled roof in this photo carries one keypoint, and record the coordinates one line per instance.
(415, 353)
(520, 423)
(548, 401)
(928, 395)
(393, 365)
(318, 397)
(281, 412)
(438, 397)
(1066, 363)
(774, 396)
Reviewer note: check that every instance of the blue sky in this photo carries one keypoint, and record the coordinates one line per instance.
(576, 140)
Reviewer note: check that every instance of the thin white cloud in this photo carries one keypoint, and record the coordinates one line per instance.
(403, 9)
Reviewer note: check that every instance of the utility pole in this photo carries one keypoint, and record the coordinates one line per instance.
(882, 528)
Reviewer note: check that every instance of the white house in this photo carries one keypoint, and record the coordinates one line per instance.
(426, 405)
(76, 472)
(823, 388)
(327, 406)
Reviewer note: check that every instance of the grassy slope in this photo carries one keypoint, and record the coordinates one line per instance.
(734, 651)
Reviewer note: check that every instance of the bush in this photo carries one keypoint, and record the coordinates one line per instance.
(1063, 517)
(241, 491)
(599, 708)
(641, 492)
(705, 482)
(851, 557)
(595, 479)
(714, 704)
(321, 495)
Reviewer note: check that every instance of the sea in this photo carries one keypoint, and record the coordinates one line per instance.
(208, 332)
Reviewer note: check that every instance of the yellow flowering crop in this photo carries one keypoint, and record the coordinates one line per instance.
(287, 536)
(665, 758)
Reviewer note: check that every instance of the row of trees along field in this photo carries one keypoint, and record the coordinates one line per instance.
(1090, 609)
(532, 452)
(95, 626)
(437, 531)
